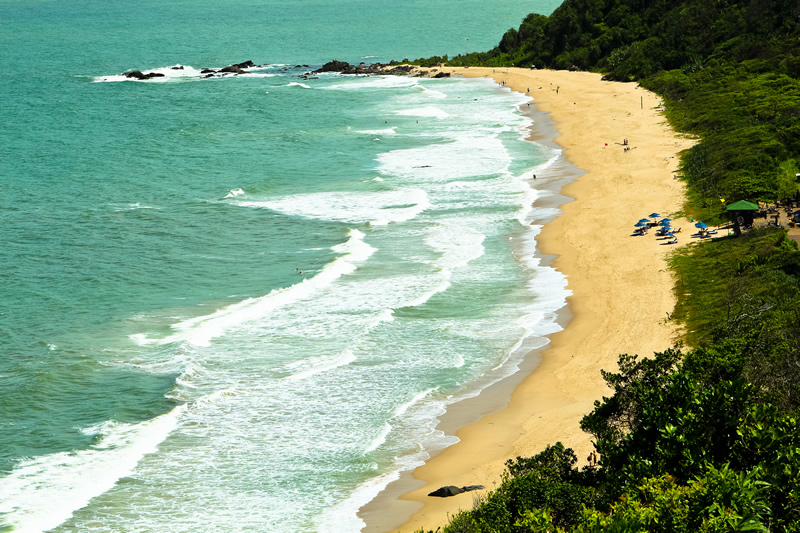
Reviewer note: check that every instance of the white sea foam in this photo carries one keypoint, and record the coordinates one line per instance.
(380, 439)
(403, 407)
(388, 131)
(375, 208)
(457, 242)
(373, 82)
(431, 93)
(171, 73)
(181, 72)
(298, 84)
(308, 368)
(131, 207)
(43, 492)
(199, 331)
(467, 156)
(306, 381)
(427, 111)
(344, 515)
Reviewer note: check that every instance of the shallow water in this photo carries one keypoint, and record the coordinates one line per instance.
(240, 303)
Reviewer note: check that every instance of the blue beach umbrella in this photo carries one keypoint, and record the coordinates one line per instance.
(665, 219)
(701, 225)
(644, 220)
(640, 224)
(664, 223)
(655, 215)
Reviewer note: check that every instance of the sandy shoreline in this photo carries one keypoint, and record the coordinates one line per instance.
(621, 289)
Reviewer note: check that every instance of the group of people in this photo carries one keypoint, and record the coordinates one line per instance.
(592, 459)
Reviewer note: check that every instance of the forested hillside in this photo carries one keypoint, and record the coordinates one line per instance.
(704, 439)
(727, 69)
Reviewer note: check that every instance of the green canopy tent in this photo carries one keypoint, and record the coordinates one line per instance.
(742, 214)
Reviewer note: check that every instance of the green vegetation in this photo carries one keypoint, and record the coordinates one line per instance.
(727, 69)
(703, 439)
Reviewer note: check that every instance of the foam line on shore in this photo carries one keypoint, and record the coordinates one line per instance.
(200, 331)
(620, 288)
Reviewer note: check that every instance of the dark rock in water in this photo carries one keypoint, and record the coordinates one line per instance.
(207, 71)
(246, 64)
(390, 69)
(333, 66)
(235, 69)
(472, 487)
(444, 492)
(400, 70)
(344, 67)
(179, 67)
(139, 75)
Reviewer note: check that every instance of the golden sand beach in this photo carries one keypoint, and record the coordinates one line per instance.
(621, 289)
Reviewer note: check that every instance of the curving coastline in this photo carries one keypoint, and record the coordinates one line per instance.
(621, 289)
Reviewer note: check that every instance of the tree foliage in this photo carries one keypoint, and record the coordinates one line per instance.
(700, 440)
(728, 70)
(704, 439)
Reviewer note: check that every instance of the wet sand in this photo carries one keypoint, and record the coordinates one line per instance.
(621, 289)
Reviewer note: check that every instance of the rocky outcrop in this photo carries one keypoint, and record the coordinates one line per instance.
(237, 68)
(391, 69)
(452, 490)
(344, 67)
(139, 75)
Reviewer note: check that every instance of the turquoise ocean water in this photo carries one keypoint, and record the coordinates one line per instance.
(240, 304)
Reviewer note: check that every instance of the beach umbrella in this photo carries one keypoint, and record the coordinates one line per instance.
(701, 225)
(645, 220)
(664, 223)
(655, 215)
(666, 219)
(640, 224)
